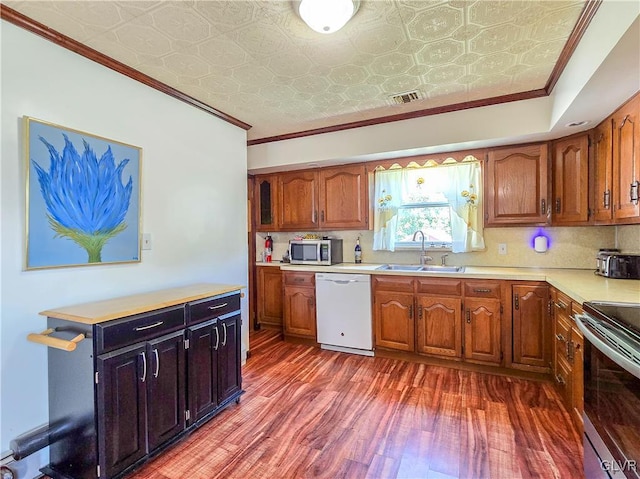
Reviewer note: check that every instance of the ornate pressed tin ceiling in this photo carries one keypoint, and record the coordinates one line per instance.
(258, 62)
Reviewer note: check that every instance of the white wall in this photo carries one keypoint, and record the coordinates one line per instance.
(193, 202)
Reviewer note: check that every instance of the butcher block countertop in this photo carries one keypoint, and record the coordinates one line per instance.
(99, 311)
(579, 284)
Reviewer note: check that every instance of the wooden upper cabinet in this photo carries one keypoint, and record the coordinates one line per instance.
(265, 197)
(602, 170)
(626, 162)
(298, 200)
(570, 171)
(516, 189)
(343, 197)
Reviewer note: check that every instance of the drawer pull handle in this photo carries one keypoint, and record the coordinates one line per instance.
(215, 348)
(154, 325)
(155, 352)
(560, 380)
(561, 305)
(481, 290)
(144, 366)
(298, 280)
(218, 306)
(224, 329)
(560, 337)
(45, 338)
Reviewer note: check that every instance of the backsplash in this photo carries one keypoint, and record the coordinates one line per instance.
(573, 247)
(629, 238)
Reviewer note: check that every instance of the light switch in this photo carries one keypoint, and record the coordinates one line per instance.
(502, 248)
(146, 241)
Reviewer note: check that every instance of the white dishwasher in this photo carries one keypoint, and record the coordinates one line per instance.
(343, 309)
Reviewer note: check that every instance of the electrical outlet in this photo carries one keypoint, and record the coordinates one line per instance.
(146, 241)
(502, 248)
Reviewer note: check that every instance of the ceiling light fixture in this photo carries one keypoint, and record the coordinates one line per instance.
(327, 16)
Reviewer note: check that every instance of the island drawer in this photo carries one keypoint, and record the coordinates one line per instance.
(210, 308)
(122, 332)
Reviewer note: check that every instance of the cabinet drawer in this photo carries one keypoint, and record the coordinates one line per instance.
(210, 308)
(562, 305)
(564, 382)
(134, 329)
(393, 283)
(300, 279)
(562, 338)
(482, 289)
(440, 286)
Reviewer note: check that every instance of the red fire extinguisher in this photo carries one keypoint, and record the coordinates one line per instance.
(268, 248)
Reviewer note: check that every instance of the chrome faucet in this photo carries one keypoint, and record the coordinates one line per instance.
(443, 258)
(423, 257)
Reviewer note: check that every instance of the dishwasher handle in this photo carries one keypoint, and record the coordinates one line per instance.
(341, 281)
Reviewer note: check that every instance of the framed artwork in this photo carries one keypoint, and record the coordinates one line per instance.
(83, 198)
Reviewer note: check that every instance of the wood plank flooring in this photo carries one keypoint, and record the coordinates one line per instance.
(310, 413)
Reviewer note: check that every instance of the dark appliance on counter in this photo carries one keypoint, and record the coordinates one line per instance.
(617, 265)
(611, 389)
(316, 251)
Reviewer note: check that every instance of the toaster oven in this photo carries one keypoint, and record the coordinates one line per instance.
(616, 265)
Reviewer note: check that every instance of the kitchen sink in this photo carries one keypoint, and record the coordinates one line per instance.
(443, 269)
(401, 267)
(418, 267)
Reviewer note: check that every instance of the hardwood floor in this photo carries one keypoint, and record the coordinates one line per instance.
(314, 413)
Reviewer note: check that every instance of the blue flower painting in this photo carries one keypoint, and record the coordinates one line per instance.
(83, 198)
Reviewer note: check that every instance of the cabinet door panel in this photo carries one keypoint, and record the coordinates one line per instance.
(229, 378)
(603, 164)
(122, 408)
(166, 389)
(300, 311)
(516, 185)
(439, 328)
(270, 296)
(343, 197)
(626, 161)
(571, 181)
(204, 342)
(531, 328)
(298, 201)
(394, 320)
(482, 330)
(265, 203)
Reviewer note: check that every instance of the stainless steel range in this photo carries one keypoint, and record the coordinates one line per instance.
(611, 389)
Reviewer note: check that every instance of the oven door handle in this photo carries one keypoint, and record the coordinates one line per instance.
(607, 350)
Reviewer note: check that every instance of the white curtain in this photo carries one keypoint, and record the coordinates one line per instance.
(461, 185)
(464, 195)
(387, 198)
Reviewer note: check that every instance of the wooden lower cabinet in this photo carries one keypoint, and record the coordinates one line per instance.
(425, 315)
(482, 331)
(394, 321)
(439, 329)
(568, 362)
(269, 297)
(531, 327)
(299, 305)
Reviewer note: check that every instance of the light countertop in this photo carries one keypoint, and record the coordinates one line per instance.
(579, 284)
(98, 311)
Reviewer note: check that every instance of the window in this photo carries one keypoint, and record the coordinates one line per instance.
(444, 202)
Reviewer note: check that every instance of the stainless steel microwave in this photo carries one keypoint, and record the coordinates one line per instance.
(322, 252)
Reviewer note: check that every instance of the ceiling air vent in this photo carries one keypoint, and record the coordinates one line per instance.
(406, 97)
